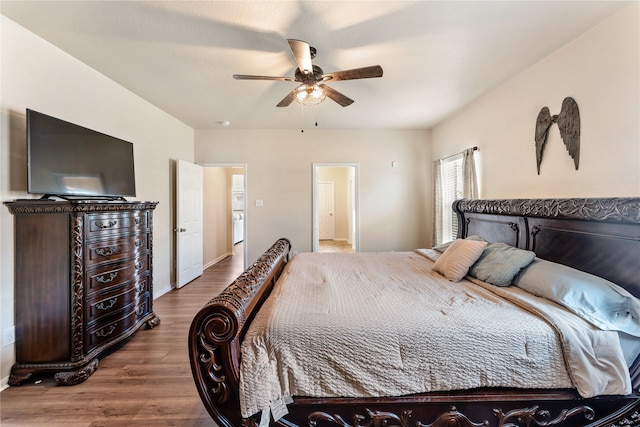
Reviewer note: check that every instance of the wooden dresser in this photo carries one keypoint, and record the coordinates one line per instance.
(83, 282)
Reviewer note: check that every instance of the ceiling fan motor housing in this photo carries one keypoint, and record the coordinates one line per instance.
(309, 78)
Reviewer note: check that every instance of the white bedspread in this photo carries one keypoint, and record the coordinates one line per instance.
(383, 324)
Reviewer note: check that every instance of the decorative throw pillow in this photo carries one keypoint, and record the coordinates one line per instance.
(499, 264)
(600, 302)
(454, 263)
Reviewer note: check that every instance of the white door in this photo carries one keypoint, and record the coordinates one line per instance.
(326, 219)
(189, 242)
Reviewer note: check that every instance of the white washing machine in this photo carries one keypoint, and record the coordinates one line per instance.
(238, 226)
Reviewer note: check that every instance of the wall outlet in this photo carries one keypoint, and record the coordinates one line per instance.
(9, 336)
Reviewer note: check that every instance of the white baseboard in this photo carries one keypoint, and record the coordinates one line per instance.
(217, 260)
(4, 383)
(158, 292)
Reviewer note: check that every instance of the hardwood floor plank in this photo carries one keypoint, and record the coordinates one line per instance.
(146, 381)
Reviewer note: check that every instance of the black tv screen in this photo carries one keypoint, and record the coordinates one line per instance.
(71, 161)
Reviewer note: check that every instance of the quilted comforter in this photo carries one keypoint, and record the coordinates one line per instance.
(385, 324)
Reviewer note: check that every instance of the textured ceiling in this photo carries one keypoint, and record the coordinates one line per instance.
(437, 56)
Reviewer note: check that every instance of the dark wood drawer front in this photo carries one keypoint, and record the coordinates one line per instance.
(106, 224)
(116, 274)
(116, 249)
(111, 302)
(83, 283)
(113, 327)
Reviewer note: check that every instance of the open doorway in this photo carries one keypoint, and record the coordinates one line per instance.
(335, 207)
(225, 219)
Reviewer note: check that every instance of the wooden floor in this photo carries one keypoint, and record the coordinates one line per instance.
(146, 382)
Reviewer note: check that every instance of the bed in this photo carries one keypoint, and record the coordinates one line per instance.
(599, 237)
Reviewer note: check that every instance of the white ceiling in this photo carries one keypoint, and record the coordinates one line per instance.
(437, 56)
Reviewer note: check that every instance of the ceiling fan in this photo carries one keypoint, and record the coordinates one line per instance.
(312, 89)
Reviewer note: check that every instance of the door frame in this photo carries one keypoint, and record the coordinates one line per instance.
(355, 199)
(245, 249)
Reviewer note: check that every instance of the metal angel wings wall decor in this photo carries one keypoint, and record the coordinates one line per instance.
(569, 125)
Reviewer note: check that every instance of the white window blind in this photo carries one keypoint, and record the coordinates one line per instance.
(452, 189)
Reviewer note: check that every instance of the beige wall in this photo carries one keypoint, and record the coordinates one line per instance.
(35, 74)
(216, 229)
(601, 71)
(395, 209)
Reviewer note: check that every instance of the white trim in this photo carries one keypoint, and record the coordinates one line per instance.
(217, 260)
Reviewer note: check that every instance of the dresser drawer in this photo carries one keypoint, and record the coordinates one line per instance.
(110, 302)
(116, 274)
(113, 327)
(100, 225)
(108, 250)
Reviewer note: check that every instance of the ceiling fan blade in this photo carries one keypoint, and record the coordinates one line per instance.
(356, 73)
(249, 77)
(336, 96)
(302, 54)
(287, 100)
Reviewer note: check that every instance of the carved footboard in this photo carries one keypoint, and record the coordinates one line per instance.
(216, 333)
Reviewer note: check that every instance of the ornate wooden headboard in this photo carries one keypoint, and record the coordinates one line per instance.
(600, 235)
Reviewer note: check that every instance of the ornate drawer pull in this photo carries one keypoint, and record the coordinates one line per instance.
(139, 288)
(138, 221)
(108, 305)
(112, 276)
(140, 310)
(103, 334)
(138, 243)
(109, 224)
(139, 265)
(110, 250)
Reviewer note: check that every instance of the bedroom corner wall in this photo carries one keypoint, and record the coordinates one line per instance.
(36, 74)
(601, 71)
(395, 203)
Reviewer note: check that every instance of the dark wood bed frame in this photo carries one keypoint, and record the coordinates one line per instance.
(600, 236)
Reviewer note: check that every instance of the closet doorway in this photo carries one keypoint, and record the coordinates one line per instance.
(225, 215)
(335, 207)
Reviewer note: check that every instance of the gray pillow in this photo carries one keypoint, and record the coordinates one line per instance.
(499, 264)
(600, 302)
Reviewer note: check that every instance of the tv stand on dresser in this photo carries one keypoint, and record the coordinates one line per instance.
(83, 282)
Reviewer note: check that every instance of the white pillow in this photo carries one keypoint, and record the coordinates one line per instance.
(600, 302)
(454, 263)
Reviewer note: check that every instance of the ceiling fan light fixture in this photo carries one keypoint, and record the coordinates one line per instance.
(310, 94)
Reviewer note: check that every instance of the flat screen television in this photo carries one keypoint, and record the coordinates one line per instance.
(73, 162)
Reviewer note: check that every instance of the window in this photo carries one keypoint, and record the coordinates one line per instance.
(454, 178)
(451, 191)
